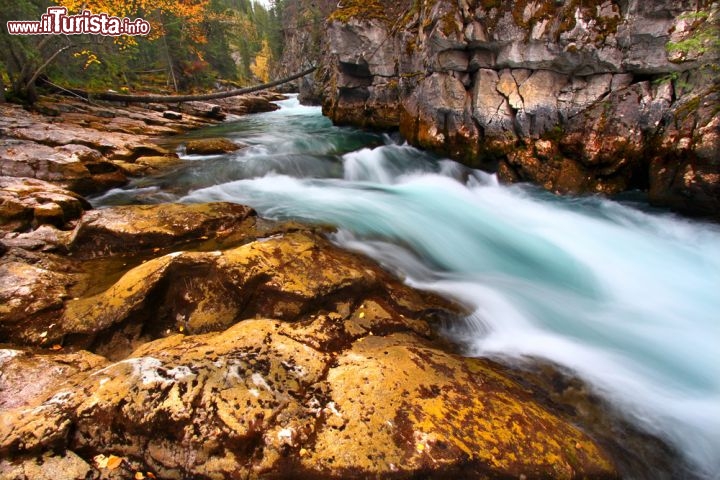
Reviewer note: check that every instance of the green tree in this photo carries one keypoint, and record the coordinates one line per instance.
(26, 58)
(192, 44)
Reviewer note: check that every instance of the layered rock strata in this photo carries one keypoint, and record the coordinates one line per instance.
(89, 148)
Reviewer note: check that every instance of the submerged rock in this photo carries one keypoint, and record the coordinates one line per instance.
(211, 146)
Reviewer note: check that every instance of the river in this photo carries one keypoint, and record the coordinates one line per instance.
(626, 297)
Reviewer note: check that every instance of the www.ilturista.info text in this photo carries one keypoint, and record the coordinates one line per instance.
(57, 22)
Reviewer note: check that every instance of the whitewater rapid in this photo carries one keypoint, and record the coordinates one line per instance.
(627, 299)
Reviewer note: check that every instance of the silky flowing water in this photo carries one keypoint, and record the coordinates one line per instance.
(626, 298)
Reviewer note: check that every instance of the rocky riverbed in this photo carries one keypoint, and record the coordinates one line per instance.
(203, 341)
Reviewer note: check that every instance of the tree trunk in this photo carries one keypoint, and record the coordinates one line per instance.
(31, 82)
(117, 97)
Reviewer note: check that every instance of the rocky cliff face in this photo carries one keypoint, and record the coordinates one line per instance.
(577, 96)
(303, 39)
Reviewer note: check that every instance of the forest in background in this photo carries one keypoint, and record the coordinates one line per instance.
(194, 45)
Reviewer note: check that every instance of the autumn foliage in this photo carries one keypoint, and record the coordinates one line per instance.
(191, 46)
(190, 12)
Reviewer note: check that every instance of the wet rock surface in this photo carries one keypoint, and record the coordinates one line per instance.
(578, 97)
(254, 103)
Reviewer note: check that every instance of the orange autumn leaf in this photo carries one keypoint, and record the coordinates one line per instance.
(114, 462)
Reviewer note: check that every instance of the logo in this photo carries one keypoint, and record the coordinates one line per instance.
(57, 22)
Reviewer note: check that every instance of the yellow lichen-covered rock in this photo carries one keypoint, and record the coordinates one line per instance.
(31, 299)
(97, 312)
(36, 396)
(290, 277)
(68, 466)
(357, 385)
(158, 162)
(402, 406)
(255, 401)
(210, 404)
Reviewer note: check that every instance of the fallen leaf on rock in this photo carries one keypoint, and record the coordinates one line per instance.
(114, 462)
(56, 347)
(139, 476)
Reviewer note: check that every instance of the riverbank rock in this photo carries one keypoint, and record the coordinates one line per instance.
(26, 203)
(32, 299)
(49, 466)
(131, 229)
(203, 109)
(123, 256)
(597, 97)
(89, 148)
(254, 103)
(154, 164)
(289, 278)
(73, 166)
(36, 285)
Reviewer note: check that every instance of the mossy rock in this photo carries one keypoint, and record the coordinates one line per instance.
(359, 9)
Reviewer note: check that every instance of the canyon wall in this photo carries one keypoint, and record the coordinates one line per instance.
(576, 96)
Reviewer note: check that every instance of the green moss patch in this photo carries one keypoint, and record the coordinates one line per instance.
(360, 9)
